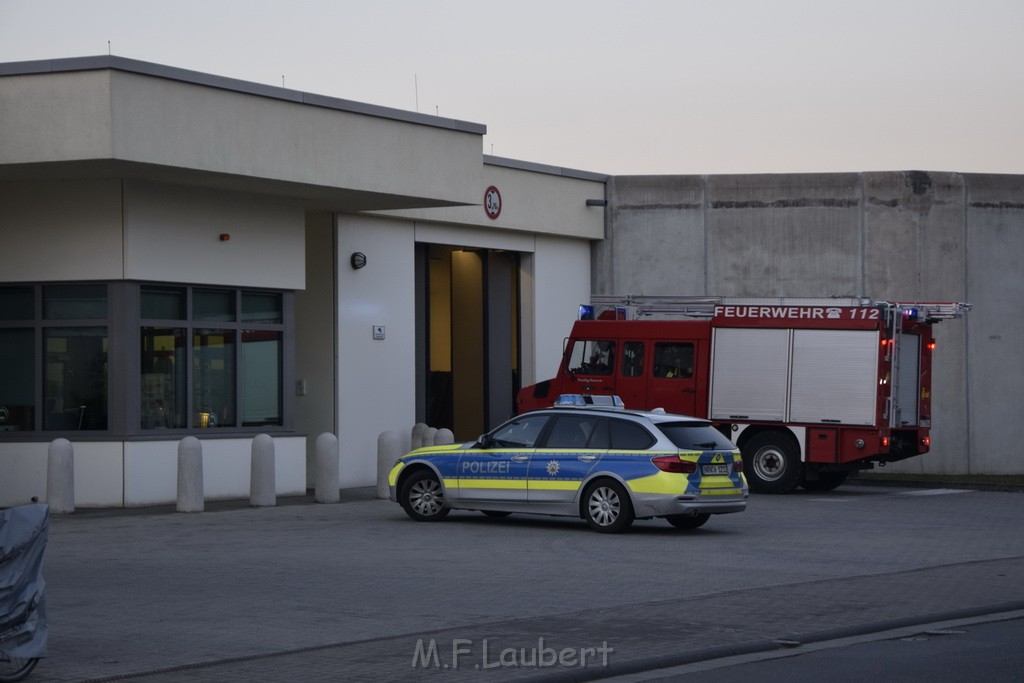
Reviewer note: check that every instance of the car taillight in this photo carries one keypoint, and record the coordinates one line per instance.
(672, 463)
(737, 465)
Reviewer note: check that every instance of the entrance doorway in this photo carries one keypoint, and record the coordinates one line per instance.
(468, 337)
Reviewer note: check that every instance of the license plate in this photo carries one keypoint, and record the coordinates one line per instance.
(714, 470)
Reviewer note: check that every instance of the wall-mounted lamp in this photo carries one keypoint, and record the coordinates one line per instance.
(358, 260)
(224, 237)
(597, 202)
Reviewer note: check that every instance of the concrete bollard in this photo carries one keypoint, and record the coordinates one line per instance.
(327, 476)
(190, 475)
(60, 477)
(444, 437)
(388, 452)
(417, 436)
(263, 478)
(428, 436)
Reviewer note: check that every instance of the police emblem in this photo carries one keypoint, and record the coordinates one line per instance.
(552, 467)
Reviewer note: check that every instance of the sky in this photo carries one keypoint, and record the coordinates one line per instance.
(624, 88)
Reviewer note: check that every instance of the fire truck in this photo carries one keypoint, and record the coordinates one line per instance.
(810, 390)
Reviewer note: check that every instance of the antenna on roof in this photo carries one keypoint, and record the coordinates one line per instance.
(416, 87)
(108, 48)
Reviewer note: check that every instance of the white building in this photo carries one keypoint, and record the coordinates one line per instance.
(185, 254)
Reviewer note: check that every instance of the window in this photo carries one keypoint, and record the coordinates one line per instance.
(128, 358)
(211, 358)
(522, 433)
(633, 359)
(592, 357)
(673, 360)
(695, 436)
(573, 431)
(629, 436)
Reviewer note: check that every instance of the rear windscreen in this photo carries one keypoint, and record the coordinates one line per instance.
(695, 436)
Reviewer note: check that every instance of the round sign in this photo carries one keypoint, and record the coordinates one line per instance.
(492, 202)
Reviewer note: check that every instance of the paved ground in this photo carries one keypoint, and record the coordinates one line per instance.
(356, 591)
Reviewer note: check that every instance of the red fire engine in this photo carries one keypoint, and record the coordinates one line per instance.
(808, 389)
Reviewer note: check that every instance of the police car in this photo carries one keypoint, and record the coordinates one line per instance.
(604, 463)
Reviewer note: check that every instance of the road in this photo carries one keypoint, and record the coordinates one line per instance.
(359, 591)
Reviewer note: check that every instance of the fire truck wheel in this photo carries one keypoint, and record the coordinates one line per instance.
(771, 462)
(826, 481)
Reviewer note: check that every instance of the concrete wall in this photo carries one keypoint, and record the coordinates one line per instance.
(123, 474)
(376, 378)
(121, 112)
(172, 234)
(61, 230)
(906, 235)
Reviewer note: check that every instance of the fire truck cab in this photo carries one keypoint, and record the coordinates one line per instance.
(809, 389)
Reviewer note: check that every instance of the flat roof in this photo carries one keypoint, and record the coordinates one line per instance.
(114, 62)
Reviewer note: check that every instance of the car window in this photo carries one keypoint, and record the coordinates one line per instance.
(629, 436)
(632, 359)
(573, 431)
(695, 436)
(592, 357)
(673, 360)
(521, 433)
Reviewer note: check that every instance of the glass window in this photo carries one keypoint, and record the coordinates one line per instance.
(75, 302)
(592, 357)
(213, 377)
(521, 433)
(261, 307)
(17, 380)
(162, 303)
(633, 359)
(164, 367)
(572, 431)
(629, 436)
(261, 378)
(75, 379)
(673, 360)
(695, 436)
(213, 304)
(17, 303)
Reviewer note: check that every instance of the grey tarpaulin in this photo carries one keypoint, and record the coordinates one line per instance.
(23, 533)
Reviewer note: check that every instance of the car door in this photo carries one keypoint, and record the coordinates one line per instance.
(631, 383)
(496, 469)
(572, 447)
(673, 384)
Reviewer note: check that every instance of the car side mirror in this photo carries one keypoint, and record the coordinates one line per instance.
(484, 441)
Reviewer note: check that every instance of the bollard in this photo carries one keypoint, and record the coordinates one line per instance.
(190, 475)
(388, 452)
(428, 436)
(262, 480)
(417, 436)
(327, 476)
(444, 437)
(60, 477)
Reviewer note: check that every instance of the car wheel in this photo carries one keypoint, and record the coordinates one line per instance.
(687, 521)
(826, 481)
(772, 464)
(496, 513)
(606, 507)
(422, 497)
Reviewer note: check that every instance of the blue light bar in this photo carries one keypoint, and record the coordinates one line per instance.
(566, 400)
(586, 312)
